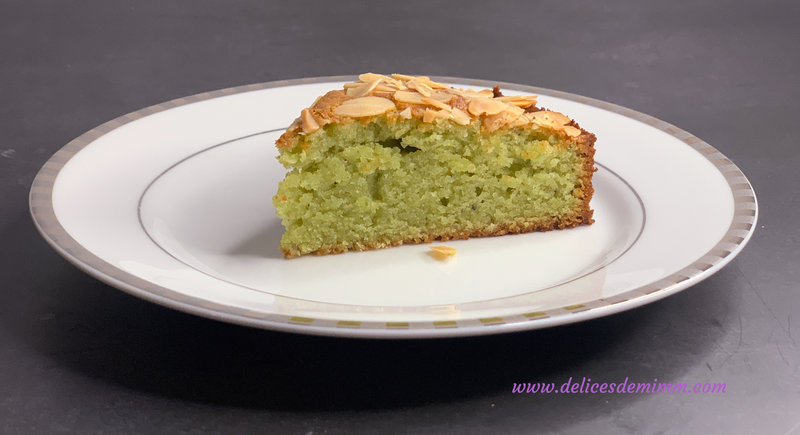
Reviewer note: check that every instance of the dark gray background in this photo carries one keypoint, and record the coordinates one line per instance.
(79, 356)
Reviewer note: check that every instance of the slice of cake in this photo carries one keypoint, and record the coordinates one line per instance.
(402, 159)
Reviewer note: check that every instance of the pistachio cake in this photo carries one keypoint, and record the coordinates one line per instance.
(400, 159)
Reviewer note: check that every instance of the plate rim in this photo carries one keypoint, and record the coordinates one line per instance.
(739, 232)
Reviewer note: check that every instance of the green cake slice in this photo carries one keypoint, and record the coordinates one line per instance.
(398, 159)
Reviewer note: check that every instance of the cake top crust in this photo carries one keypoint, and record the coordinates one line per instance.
(402, 96)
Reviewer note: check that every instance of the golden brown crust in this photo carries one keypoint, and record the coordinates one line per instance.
(582, 216)
(378, 95)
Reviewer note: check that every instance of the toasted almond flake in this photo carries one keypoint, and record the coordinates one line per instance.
(364, 89)
(479, 106)
(393, 82)
(541, 117)
(493, 122)
(435, 103)
(459, 102)
(429, 116)
(432, 84)
(521, 121)
(368, 77)
(383, 94)
(309, 123)
(514, 110)
(402, 77)
(444, 113)
(509, 98)
(460, 117)
(442, 96)
(386, 88)
(441, 252)
(420, 87)
(296, 124)
(571, 131)
(549, 119)
(531, 116)
(355, 91)
(556, 117)
(521, 104)
(437, 85)
(469, 93)
(406, 113)
(364, 106)
(518, 100)
(408, 97)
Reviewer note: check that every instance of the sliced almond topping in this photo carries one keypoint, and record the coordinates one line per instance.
(442, 252)
(429, 116)
(437, 85)
(539, 116)
(518, 100)
(549, 119)
(402, 77)
(364, 89)
(521, 121)
(368, 77)
(386, 88)
(514, 110)
(432, 84)
(479, 106)
(442, 96)
(571, 131)
(392, 82)
(469, 93)
(420, 87)
(375, 94)
(408, 97)
(309, 123)
(444, 113)
(559, 118)
(435, 103)
(296, 124)
(383, 94)
(493, 122)
(460, 117)
(364, 106)
(459, 102)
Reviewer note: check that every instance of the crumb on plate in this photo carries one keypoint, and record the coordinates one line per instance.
(442, 252)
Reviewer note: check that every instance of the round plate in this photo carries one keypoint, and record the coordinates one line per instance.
(172, 203)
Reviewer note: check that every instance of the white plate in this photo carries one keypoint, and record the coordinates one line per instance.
(172, 203)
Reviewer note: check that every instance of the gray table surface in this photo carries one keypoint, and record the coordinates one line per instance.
(79, 356)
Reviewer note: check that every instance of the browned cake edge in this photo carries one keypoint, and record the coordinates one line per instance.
(584, 216)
